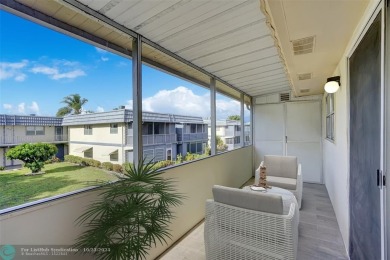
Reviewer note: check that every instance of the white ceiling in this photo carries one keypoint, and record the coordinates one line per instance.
(229, 39)
(332, 22)
(234, 40)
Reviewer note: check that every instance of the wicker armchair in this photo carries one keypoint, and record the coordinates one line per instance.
(283, 172)
(242, 224)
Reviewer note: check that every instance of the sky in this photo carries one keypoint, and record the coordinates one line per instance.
(39, 67)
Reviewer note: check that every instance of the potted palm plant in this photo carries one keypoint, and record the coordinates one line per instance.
(131, 215)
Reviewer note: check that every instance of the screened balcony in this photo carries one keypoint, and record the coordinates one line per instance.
(273, 59)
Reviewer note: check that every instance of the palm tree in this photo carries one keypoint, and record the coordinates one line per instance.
(234, 117)
(73, 103)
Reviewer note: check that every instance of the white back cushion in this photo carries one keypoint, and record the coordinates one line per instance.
(281, 166)
(248, 199)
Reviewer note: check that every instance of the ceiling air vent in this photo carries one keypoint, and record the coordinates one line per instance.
(303, 46)
(305, 90)
(304, 76)
(284, 97)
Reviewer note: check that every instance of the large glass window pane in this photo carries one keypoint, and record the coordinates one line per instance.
(247, 121)
(228, 122)
(38, 77)
(178, 107)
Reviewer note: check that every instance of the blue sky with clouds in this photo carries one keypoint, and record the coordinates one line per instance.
(39, 66)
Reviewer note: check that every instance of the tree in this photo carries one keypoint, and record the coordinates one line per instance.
(74, 104)
(234, 117)
(221, 146)
(34, 156)
(131, 216)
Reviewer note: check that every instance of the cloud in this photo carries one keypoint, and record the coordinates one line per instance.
(34, 108)
(183, 101)
(7, 106)
(123, 64)
(101, 51)
(103, 54)
(55, 74)
(21, 108)
(13, 70)
(99, 109)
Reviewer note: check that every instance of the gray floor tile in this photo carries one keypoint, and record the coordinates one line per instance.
(319, 233)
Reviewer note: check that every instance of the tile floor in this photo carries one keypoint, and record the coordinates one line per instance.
(319, 233)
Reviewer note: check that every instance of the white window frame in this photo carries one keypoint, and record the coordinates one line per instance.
(329, 130)
(32, 130)
(88, 130)
(114, 128)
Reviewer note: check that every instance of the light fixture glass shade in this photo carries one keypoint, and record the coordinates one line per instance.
(331, 86)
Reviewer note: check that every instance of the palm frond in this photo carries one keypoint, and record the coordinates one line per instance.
(131, 215)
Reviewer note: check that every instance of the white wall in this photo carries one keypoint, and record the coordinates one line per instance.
(53, 223)
(336, 155)
(102, 141)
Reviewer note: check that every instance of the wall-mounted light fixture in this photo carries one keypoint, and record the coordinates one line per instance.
(332, 84)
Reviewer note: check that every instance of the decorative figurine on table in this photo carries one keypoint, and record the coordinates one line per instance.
(263, 178)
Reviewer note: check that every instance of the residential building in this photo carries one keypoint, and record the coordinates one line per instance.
(108, 136)
(19, 129)
(230, 132)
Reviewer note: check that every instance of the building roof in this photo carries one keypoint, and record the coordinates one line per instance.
(30, 120)
(223, 122)
(125, 116)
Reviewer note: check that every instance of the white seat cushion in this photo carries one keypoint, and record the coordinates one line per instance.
(285, 183)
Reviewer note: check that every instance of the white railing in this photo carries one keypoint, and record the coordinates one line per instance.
(33, 139)
(194, 137)
(154, 139)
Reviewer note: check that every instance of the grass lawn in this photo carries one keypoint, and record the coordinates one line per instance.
(16, 188)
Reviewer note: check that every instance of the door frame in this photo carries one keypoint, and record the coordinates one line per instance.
(379, 8)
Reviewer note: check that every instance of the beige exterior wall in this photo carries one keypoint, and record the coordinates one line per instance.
(102, 142)
(20, 136)
(53, 223)
(100, 152)
(100, 133)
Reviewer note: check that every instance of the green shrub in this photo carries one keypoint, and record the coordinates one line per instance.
(2, 168)
(85, 162)
(73, 159)
(96, 163)
(54, 159)
(194, 156)
(108, 166)
(34, 156)
(117, 168)
(126, 166)
(163, 164)
(90, 162)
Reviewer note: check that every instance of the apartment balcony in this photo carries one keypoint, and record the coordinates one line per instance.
(249, 49)
(33, 139)
(154, 139)
(192, 137)
(319, 233)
